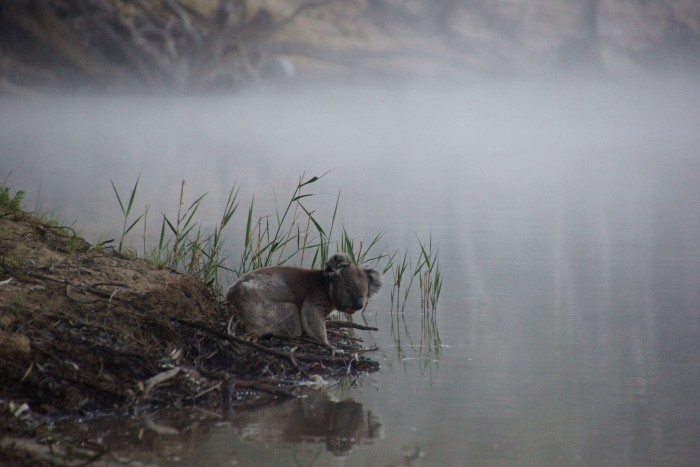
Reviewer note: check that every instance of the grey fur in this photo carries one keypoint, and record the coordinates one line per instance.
(294, 301)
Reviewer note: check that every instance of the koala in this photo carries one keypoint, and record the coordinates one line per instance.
(294, 301)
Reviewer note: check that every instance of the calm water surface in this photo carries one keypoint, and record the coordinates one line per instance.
(568, 222)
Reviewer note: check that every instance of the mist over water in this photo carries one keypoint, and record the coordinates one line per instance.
(413, 144)
(567, 216)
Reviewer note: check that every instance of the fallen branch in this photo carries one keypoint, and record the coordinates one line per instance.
(348, 324)
(237, 340)
(291, 357)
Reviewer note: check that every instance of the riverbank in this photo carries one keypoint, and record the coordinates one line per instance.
(86, 332)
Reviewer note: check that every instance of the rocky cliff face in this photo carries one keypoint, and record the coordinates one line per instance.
(196, 45)
(615, 37)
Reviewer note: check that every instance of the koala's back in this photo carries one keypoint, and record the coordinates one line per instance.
(268, 301)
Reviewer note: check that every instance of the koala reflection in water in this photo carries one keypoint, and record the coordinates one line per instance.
(293, 301)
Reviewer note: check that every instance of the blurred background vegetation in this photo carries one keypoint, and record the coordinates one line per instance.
(186, 46)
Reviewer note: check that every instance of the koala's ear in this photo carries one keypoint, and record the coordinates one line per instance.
(374, 281)
(337, 262)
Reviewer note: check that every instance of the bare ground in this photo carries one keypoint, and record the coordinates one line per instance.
(86, 332)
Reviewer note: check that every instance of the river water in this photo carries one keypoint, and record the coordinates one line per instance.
(568, 223)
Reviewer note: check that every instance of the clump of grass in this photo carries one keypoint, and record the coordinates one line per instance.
(427, 270)
(126, 211)
(399, 271)
(430, 277)
(361, 253)
(10, 203)
(293, 235)
(297, 235)
(182, 245)
(174, 242)
(42, 222)
(277, 239)
(211, 260)
(13, 265)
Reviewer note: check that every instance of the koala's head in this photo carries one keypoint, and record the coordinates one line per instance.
(350, 285)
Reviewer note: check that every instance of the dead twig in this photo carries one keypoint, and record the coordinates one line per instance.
(159, 379)
(291, 357)
(348, 324)
(213, 387)
(237, 340)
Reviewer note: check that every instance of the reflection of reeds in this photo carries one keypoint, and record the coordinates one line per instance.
(427, 270)
(430, 341)
(428, 348)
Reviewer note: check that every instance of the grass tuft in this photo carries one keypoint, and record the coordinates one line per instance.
(126, 211)
(294, 235)
(10, 203)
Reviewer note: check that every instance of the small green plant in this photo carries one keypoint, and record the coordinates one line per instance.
(10, 204)
(182, 245)
(360, 253)
(279, 239)
(427, 270)
(126, 211)
(398, 271)
(206, 254)
(13, 265)
(297, 235)
(429, 276)
(180, 229)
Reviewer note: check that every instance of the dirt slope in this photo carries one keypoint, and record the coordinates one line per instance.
(85, 332)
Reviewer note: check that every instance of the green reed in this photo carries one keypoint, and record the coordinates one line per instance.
(294, 234)
(277, 239)
(126, 211)
(10, 204)
(182, 245)
(297, 234)
(426, 270)
(399, 272)
(429, 275)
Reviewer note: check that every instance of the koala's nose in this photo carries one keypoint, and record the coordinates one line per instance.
(359, 303)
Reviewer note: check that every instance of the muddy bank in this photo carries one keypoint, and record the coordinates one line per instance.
(86, 333)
